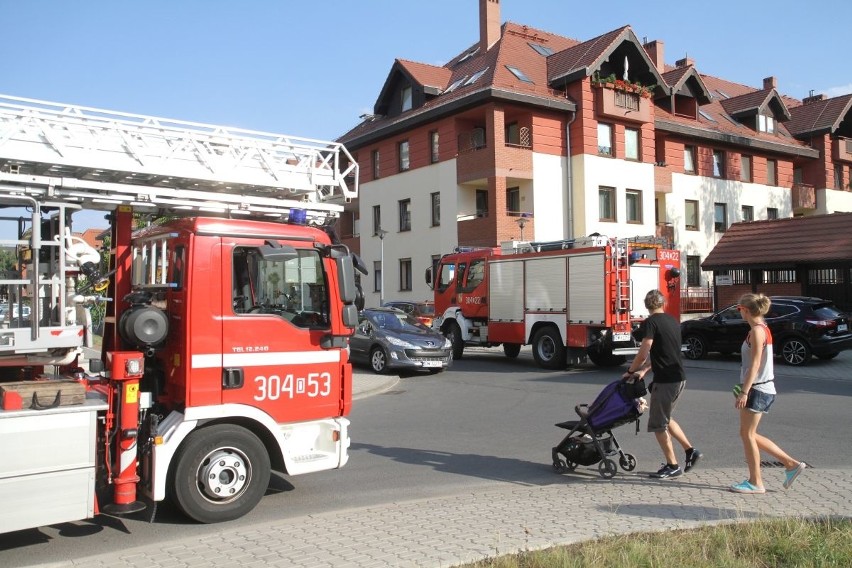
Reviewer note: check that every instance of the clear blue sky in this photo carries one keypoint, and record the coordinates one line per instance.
(311, 68)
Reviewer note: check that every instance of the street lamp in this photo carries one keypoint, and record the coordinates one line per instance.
(522, 222)
(381, 233)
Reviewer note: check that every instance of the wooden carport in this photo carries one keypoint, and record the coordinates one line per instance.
(798, 256)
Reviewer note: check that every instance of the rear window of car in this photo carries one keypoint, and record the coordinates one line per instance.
(827, 311)
(426, 309)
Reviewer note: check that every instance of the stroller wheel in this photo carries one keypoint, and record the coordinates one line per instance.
(560, 466)
(607, 468)
(628, 462)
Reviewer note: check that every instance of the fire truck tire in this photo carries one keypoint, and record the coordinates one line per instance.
(219, 473)
(454, 335)
(548, 349)
(511, 350)
(378, 360)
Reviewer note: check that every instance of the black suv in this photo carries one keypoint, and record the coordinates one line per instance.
(800, 326)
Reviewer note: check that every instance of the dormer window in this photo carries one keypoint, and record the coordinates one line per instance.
(406, 98)
(766, 124)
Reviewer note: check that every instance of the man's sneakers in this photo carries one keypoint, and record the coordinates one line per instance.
(667, 472)
(692, 457)
(790, 475)
(746, 487)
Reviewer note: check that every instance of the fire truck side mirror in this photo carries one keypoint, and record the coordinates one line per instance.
(350, 316)
(429, 278)
(346, 278)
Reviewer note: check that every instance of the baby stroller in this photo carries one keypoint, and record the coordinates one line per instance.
(590, 439)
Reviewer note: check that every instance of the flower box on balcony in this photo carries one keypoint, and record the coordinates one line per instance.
(621, 103)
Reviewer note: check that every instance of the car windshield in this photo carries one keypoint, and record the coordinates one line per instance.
(396, 321)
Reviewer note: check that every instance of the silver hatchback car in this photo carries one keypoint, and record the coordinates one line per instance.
(387, 338)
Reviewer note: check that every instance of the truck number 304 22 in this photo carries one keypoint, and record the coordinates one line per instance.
(274, 387)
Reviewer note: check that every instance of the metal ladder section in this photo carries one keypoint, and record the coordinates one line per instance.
(102, 159)
(619, 268)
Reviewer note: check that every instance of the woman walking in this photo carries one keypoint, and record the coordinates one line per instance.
(755, 394)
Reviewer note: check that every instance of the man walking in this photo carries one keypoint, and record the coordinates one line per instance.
(660, 352)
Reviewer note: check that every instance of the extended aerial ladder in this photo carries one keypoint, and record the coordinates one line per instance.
(61, 158)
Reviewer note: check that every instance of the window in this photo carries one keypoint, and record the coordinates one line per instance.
(405, 274)
(693, 270)
(405, 215)
(435, 199)
(606, 203)
(513, 134)
(375, 157)
(519, 74)
(745, 169)
(377, 276)
(513, 201)
(838, 176)
(766, 124)
(404, 162)
(634, 205)
(455, 84)
(631, 144)
(771, 213)
(446, 277)
(541, 49)
(771, 172)
(406, 99)
(293, 286)
(482, 203)
(720, 217)
(475, 77)
(748, 213)
(718, 163)
(689, 159)
(433, 144)
(377, 219)
(604, 139)
(475, 274)
(706, 116)
(690, 214)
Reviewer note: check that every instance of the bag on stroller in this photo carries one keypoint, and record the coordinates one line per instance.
(590, 439)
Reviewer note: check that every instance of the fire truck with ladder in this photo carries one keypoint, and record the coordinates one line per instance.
(570, 300)
(228, 306)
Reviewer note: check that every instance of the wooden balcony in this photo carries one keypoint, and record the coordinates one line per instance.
(842, 149)
(622, 105)
(803, 198)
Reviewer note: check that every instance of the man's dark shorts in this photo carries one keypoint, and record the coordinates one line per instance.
(663, 401)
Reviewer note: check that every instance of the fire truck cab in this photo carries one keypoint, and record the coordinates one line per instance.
(228, 303)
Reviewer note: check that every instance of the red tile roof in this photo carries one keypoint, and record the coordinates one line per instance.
(782, 243)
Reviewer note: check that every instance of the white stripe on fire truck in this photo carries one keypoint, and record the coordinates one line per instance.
(215, 360)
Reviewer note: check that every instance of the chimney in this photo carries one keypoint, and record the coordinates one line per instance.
(812, 98)
(770, 83)
(489, 24)
(654, 49)
(685, 62)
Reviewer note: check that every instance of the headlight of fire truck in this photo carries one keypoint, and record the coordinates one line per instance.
(400, 343)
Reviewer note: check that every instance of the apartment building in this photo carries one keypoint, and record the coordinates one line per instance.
(529, 135)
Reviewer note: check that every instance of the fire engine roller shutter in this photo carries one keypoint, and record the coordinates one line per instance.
(545, 284)
(505, 281)
(643, 279)
(586, 288)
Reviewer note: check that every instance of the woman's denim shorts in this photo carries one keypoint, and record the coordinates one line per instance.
(758, 401)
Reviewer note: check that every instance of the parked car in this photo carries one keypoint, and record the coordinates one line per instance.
(801, 327)
(423, 311)
(387, 338)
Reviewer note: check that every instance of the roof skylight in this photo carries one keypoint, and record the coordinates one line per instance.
(723, 93)
(455, 84)
(519, 74)
(542, 49)
(475, 77)
(468, 55)
(707, 116)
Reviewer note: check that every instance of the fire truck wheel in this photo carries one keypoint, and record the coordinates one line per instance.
(548, 348)
(378, 360)
(511, 350)
(454, 335)
(219, 473)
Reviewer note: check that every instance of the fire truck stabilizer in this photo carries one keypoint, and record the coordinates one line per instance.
(227, 303)
(570, 300)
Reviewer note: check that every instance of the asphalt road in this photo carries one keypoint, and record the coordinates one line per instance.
(488, 421)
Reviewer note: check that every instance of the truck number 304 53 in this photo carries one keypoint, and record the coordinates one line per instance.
(274, 387)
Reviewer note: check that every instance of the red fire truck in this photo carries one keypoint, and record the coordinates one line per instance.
(227, 314)
(567, 299)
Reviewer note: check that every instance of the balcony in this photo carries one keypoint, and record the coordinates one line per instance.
(842, 149)
(803, 198)
(622, 105)
(662, 178)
